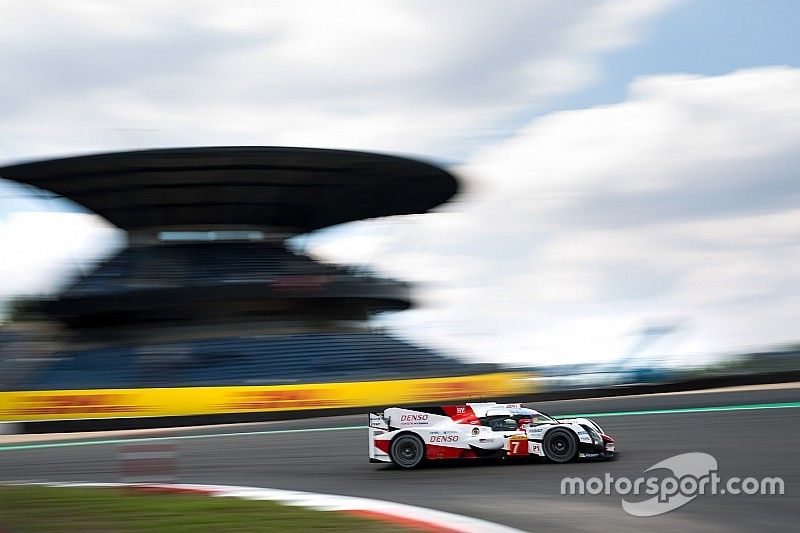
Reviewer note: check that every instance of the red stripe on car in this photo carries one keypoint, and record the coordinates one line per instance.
(434, 451)
(461, 414)
(383, 445)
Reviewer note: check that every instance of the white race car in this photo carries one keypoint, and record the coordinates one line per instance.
(407, 437)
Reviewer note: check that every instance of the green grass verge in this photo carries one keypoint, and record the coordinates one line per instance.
(56, 509)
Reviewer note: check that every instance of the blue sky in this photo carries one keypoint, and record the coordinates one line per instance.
(627, 162)
(709, 37)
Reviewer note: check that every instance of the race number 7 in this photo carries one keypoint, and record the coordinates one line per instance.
(517, 446)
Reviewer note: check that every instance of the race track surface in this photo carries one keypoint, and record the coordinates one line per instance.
(331, 458)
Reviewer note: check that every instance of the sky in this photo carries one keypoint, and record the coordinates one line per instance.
(625, 164)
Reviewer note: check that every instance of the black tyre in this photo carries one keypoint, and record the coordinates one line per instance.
(407, 451)
(560, 445)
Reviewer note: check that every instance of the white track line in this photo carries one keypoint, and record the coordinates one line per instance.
(399, 513)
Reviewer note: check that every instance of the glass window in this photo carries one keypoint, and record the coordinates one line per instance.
(499, 423)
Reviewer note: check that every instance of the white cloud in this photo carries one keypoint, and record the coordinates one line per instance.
(679, 204)
(436, 78)
(41, 248)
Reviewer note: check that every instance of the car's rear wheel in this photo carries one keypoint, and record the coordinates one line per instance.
(407, 451)
(560, 445)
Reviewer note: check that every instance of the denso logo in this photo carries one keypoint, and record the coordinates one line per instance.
(413, 418)
(443, 438)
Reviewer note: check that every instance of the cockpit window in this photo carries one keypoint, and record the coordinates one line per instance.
(539, 418)
(515, 419)
(499, 423)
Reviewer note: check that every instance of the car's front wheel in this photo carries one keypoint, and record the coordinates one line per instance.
(407, 451)
(560, 445)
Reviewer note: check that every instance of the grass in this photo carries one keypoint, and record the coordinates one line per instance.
(51, 509)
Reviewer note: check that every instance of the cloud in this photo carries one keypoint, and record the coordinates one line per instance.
(680, 203)
(41, 249)
(435, 78)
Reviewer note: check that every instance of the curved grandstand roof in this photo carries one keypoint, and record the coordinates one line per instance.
(293, 190)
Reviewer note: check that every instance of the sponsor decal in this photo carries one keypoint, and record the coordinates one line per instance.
(256, 400)
(438, 439)
(377, 421)
(450, 389)
(461, 414)
(536, 431)
(75, 404)
(414, 418)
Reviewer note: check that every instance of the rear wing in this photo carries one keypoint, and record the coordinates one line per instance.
(377, 421)
(378, 425)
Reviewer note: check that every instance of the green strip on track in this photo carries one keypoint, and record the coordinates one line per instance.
(38, 446)
(750, 407)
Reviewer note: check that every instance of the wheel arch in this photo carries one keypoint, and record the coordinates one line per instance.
(566, 428)
(409, 432)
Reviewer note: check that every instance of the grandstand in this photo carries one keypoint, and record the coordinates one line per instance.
(207, 292)
(256, 360)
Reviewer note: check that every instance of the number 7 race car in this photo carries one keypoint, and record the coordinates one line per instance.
(407, 437)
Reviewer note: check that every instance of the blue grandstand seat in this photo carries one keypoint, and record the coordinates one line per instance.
(264, 359)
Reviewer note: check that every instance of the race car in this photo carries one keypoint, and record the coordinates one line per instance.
(407, 437)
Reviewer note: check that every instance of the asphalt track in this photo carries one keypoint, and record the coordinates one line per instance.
(750, 433)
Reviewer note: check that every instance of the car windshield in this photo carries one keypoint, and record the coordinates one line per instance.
(516, 418)
(535, 417)
(500, 422)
